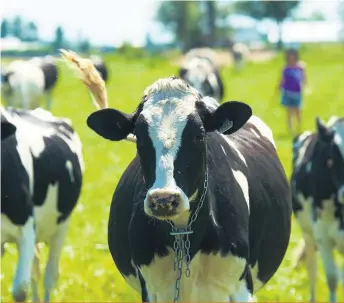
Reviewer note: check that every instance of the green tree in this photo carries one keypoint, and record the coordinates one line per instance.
(59, 38)
(317, 16)
(17, 27)
(193, 23)
(31, 32)
(275, 10)
(4, 28)
(85, 46)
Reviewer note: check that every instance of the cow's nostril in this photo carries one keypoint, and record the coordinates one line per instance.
(164, 200)
(168, 201)
(174, 204)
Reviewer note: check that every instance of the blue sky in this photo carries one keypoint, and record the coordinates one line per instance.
(110, 21)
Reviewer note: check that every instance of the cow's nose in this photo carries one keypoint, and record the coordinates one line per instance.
(163, 203)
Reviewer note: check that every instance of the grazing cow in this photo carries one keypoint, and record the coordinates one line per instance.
(203, 75)
(218, 204)
(41, 178)
(99, 64)
(317, 186)
(24, 83)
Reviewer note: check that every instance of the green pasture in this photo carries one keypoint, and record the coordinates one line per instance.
(87, 272)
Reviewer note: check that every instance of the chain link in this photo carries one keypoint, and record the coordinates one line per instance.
(181, 246)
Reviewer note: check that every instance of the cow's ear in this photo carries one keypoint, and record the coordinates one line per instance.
(325, 133)
(111, 124)
(228, 117)
(182, 72)
(7, 130)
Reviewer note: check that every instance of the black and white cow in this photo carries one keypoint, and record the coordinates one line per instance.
(229, 192)
(202, 74)
(25, 83)
(317, 184)
(99, 64)
(41, 178)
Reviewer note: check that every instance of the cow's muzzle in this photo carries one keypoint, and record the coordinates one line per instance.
(164, 204)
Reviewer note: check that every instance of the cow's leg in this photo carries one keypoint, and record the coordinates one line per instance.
(311, 264)
(35, 277)
(26, 249)
(52, 268)
(326, 251)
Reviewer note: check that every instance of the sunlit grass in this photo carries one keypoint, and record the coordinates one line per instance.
(87, 272)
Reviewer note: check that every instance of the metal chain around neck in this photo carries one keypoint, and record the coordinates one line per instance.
(181, 246)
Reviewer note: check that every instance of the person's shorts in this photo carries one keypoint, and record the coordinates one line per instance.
(291, 99)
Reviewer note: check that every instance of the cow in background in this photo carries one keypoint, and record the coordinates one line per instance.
(101, 67)
(25, 82)
(240, 54)
(41, 179)
(203, 75)
(317, 184)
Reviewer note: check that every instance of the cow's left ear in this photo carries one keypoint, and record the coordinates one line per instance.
(228, 117)
(325, 133)
(7, 130)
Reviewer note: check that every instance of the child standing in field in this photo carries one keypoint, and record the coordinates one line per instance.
(291, 85)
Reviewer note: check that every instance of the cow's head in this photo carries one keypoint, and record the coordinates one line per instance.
(199, 73)
(330, 155)
(171, 126)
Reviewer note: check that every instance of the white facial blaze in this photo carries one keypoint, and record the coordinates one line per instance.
(166, 110)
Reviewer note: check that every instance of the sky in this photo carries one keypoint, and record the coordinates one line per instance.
(110, 21)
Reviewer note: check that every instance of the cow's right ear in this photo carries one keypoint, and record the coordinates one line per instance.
(111, 124)
(227, 118)
(326, 134)
(7, 130)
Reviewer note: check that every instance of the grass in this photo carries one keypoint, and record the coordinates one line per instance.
(87, 272)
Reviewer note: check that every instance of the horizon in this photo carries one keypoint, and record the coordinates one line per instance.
(126, 25)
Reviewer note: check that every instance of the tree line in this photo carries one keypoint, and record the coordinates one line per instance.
(205, 23)
(28, 31)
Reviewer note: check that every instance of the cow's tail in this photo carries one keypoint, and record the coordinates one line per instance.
(89, 75)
